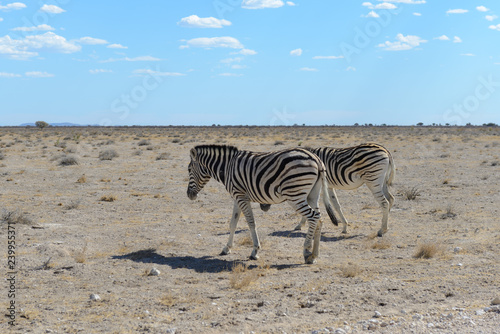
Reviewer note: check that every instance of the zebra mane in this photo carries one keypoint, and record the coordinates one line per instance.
(229, 148)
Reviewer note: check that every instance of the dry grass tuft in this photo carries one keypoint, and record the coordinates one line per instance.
(108, 198)
(82, 179)
(381, 244)
(411, 194)
(428, 251)
(108, 154)
(241, 277)
(80, 256)
(350, 270)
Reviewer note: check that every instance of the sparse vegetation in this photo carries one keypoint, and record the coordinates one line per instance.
(144, 142)
(241, 277)
(82, 179)
(107, 154)
(350, 270)
(108, 198)
(163, 156)
(411, 194)
(15, 217)
(67, 160)
(428, 250)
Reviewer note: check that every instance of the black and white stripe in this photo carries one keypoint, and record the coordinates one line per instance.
(293, 175)
(351, 167)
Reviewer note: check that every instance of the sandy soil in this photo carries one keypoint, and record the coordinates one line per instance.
(101, 226)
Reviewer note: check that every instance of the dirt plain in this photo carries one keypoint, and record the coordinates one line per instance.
(100, 226)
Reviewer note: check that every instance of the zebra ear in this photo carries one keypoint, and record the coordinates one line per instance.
(193, 154)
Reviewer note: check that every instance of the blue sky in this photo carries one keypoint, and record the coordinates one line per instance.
(255, 62)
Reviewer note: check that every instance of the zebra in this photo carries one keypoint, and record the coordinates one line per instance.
(293, 175)
(349, 168)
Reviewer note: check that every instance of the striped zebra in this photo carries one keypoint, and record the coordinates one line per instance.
(293, 175)
(349, 168)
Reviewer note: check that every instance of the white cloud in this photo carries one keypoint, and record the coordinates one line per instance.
(92, 41)
(231, 75)
(411, 2)
(141, 58)
(328, 57)
(296, 52)
(402, 43)
(383, 5)
(27, 47)
(231, 60)
(350, 68)
(289, 3)
(9, 75)
(260, 4)
(467, 54)
(238, 67)
(417, 14)
(372, 14)
(194, 21)
(52, 9)
(12, 6)
(213, 42)
(456, 11)
(38, 74)
(309, 69)
(116, 46)
(246, 52)
(495, 27)
(457, 39)
(491, 17)
(482, 9)
(100, 70)
(1, 19)
(144, 72)
(443, 38)
(40, 27)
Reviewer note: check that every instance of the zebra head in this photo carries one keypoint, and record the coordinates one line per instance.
(198, 176)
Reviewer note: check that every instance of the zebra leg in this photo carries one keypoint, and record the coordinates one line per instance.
(299, 226)
(380, 195)
(336, 205)
(232, 228)
(247, 211)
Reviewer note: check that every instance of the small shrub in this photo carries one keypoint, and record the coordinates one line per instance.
(428, 251)
(15, 217)
(144, 142)
(72, 205)
(279, 142)
(108, 198)
(350, 270)
(449, 213)
(2, 156)
(68, 160)
(411, 194)
(107, 155)
(381, 244)
(241, 277)
(163, 156)
(82, 179)
(176, 141)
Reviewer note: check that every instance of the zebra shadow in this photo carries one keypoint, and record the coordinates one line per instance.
(204, 264)
(299, 234)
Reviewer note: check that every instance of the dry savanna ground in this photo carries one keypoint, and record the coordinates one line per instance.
(103, 212)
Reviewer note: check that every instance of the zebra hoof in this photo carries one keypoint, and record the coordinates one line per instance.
(254, 257)
(297, 228)
(311, 259)
(344, 232)
(225, 251)
(381, 233)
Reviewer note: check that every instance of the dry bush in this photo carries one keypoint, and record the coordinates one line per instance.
(144, 142)
(241, 277)
(411, 194)
(67, 160)
(2, 156)
(108, 198)
(163, 156)
(80, 256)
(350, 270)
(381, 244)
(15, 217)
(82, 179)
(107, 155)
(428, 250)
(72, 205)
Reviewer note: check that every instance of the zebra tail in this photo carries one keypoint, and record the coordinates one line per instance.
(389, 177)
(326, 200)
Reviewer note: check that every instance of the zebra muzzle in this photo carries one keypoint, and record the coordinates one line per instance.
(192, 194)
